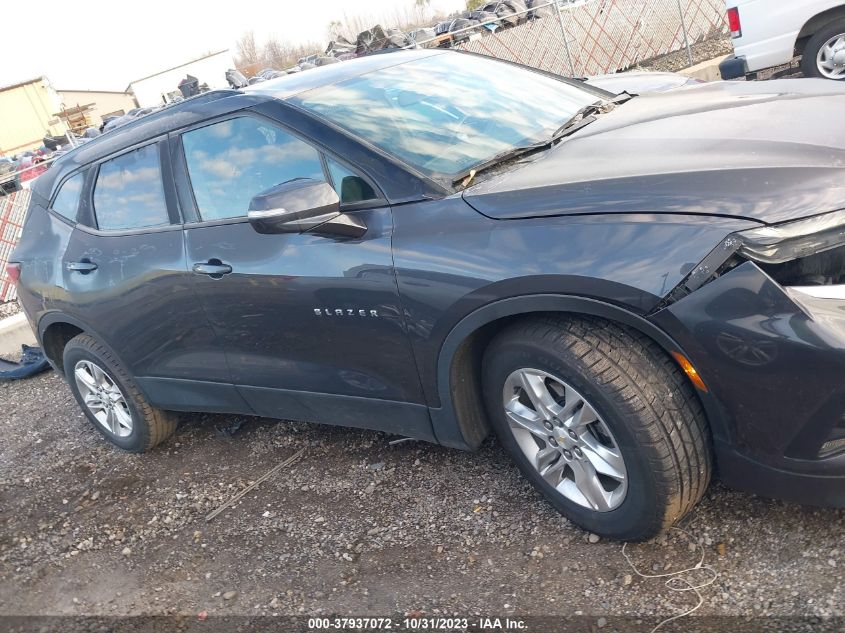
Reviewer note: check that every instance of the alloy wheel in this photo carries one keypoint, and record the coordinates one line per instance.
(831, 58)
(565, 439)
(103, 398)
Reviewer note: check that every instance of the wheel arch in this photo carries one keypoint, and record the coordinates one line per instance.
(815, 23)
(56, 329)
(460, 421)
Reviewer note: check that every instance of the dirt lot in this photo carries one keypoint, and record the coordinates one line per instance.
(356, 526)
(709, 49)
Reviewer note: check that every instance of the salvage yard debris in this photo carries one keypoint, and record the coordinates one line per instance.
(290, 460)
(679, 581)
(32, 362)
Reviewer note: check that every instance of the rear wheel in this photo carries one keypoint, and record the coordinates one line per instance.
(824, 54)
(110, 398)
(601, 421)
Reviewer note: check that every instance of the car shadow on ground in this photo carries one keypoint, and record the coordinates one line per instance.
(720, 503)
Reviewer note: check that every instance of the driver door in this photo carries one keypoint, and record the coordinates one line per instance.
(311, 325)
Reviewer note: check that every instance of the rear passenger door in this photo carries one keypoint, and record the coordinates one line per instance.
(126, 277)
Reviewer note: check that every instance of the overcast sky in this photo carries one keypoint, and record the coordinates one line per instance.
(105, 45)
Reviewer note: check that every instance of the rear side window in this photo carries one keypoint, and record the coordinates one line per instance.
(129, 193)
(66, 203)
(232, 161)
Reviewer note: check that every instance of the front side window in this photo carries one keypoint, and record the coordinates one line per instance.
(232, 161)
(350, 187)
(446, 113)
(129, 193)
(66, 203)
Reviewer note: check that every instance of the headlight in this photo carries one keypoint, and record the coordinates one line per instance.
(793, 240)
(806, 252)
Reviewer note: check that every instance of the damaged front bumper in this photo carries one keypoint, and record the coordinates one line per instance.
(773, 360)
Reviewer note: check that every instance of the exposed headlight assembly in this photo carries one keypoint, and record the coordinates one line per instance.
(793, 240)
(802, 253)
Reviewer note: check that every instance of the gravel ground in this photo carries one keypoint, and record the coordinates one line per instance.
(710, 49)
(9, 308)
(701, 52)
(357, 526)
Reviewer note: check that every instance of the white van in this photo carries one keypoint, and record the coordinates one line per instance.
(769, 33)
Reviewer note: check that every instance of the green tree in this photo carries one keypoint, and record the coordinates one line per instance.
(472, 5)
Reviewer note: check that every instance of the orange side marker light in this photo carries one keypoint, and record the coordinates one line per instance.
(690, 371)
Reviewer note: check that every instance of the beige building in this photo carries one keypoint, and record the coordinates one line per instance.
(27, 112)
(104, 103)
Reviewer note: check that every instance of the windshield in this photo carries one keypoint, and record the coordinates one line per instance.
(446, 113)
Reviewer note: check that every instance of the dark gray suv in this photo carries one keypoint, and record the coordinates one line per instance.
(631, 291)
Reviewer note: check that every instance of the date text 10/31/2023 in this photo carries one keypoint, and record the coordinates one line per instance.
(422, 623)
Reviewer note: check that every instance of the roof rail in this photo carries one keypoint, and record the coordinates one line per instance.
(205, 97)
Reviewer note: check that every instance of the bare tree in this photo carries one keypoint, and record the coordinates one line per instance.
(280, 55)
(247, 49)
(421, 7)
(335, 29)
(275, 52)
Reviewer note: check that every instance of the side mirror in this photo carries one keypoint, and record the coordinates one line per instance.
(296, 206)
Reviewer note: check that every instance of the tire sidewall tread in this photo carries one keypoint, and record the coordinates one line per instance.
(809, 66)
(150, 426)
(641, 395)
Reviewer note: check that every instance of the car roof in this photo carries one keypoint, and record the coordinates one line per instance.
(156, 124)
(215, 103)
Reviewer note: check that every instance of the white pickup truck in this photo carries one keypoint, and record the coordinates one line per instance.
(769, 33)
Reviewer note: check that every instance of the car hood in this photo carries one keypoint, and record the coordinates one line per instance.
(766, 151)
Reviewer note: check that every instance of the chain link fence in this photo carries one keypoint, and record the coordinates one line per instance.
(603, 36)
(12, 212)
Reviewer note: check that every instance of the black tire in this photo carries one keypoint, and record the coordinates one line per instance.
(809, 57)
(642, 397)
(150, 426)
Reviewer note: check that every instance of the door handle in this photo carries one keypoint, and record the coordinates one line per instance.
(82, 267)
(213, 267)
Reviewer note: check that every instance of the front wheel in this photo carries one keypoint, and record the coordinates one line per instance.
(601, 421)
(824, 54)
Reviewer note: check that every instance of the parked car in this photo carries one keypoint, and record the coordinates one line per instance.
(308, 59)
(270, 73)
(26, 164)
(132, 115)
(767, 34)
(629, 291)
(10, 181)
